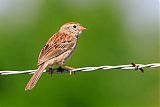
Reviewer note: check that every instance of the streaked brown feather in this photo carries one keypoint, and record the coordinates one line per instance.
(56, 45)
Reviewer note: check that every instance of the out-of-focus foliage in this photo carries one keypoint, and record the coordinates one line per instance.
(118, 32)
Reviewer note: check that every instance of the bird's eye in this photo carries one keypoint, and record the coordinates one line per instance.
(74, 26)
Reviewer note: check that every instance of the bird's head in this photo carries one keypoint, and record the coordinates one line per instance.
(72, 28)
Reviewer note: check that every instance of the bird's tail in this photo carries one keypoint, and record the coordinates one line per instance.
(32, 82)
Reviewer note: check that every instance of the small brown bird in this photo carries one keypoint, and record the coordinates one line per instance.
(57, 50)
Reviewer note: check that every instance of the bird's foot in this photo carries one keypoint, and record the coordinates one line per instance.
(70, 69)
(60, 69)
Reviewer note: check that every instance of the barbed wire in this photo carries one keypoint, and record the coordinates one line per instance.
(131, 66)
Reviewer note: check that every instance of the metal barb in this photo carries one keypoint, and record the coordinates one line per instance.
(137, 67)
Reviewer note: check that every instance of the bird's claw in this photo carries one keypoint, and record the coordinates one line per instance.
(60, 69)
(70, 70)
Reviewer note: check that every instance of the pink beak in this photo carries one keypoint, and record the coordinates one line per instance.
(82, 28)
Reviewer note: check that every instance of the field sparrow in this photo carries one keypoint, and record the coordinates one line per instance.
(57, 50)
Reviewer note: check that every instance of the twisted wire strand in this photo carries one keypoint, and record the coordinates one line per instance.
(87, 69)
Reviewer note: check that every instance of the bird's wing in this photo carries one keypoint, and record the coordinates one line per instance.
(56, 45)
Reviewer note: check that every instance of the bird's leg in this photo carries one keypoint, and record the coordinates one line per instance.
(51, 70)
(70, 68)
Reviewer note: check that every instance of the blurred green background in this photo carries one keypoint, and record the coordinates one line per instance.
(118, 32)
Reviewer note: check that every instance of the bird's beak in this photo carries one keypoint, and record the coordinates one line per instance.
(82, 28)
